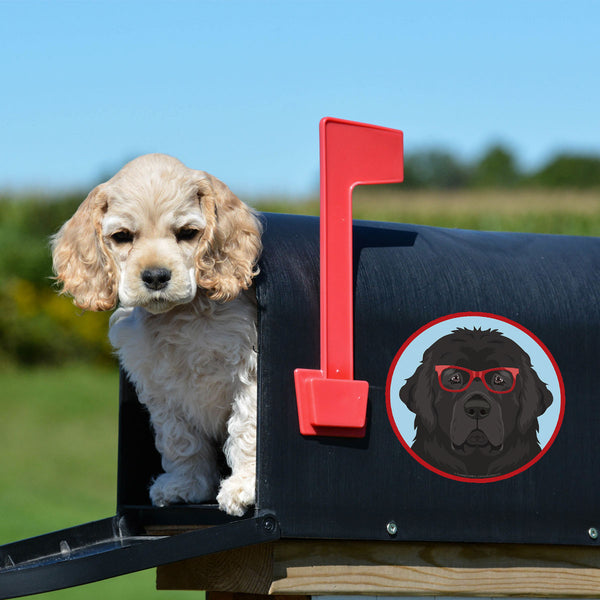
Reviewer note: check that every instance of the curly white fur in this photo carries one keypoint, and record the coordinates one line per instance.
(178, 250)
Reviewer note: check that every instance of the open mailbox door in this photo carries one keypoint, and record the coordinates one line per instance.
(113, 547)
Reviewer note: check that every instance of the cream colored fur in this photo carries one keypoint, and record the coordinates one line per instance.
(178, 251)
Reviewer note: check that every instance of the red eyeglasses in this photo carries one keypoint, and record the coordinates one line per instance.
(499, 380)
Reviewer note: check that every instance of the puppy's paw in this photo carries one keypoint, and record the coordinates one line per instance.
(171, 488)
(236, 495)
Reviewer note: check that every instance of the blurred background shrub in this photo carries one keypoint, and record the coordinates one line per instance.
(38, 327)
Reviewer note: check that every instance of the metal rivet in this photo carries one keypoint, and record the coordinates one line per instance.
(269, 524)
(392, 528)
(593, 533)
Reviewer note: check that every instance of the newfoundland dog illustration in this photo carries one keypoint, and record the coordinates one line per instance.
(476, 399)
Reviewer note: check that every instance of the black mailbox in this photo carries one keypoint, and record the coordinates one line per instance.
(449, 327)
(415, 285)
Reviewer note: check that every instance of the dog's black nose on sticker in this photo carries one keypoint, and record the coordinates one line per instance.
(156, 279)
(477, 408)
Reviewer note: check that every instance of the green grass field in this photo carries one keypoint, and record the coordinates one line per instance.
(59, 464)
(58, 429)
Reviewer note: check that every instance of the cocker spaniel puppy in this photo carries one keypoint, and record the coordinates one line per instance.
(177, 251)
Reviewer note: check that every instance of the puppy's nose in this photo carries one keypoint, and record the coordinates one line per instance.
(477, 407)
(156, 279)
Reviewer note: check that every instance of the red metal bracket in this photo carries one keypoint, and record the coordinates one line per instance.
(330, 401)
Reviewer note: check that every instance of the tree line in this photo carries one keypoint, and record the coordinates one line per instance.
(498, 168)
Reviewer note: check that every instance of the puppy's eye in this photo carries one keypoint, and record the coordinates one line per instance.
(186, 234)
(122, 237)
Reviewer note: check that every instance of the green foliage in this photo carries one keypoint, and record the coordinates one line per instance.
(36, 325)
(39, 327)
(25, 227)
(496, 169)
(434, 169)
(567, 171)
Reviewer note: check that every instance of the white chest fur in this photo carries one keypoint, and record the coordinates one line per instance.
(194, 367)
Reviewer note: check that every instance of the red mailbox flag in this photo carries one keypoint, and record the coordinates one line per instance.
(330, 401)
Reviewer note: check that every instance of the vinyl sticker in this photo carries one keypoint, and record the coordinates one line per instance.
(475, 397)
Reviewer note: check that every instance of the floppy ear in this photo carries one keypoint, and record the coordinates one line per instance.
(230, 245)
(80, 259)
(417, 393)
(535, 397)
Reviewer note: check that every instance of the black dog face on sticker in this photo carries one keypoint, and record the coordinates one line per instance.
(476, 399)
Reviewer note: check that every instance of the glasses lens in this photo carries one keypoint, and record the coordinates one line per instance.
(454, 379)
(499, 381)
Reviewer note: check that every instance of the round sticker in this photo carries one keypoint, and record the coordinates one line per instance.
(475, 397)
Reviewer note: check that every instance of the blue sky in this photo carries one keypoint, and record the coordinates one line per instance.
(237, 88)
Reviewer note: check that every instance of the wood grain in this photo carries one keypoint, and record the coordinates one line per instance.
(391, 568)
(245, 570)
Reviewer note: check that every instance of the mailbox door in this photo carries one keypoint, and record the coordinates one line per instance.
(113, 547)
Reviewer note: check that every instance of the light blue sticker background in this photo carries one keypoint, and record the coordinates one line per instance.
(413, 355)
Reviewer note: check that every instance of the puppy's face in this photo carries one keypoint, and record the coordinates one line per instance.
(153, 240)
(153, 235)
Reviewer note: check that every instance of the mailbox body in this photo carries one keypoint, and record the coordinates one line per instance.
(405, 277)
